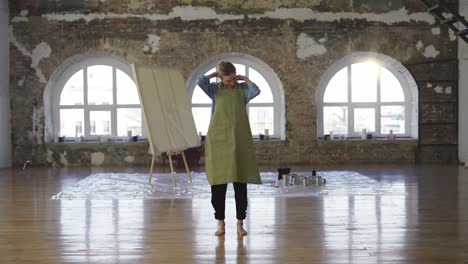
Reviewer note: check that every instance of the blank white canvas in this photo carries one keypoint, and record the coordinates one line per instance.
(166, 109)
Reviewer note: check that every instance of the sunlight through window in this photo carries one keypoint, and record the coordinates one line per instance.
(365, 97)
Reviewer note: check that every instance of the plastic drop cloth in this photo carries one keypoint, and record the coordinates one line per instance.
(134, 186)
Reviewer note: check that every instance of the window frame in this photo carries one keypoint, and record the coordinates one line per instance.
(65, 72)
(407, 83)
(262, 68)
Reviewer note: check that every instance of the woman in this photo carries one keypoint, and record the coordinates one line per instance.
(229, 149)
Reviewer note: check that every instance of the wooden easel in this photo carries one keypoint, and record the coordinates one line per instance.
(167, 113)
(169, 154)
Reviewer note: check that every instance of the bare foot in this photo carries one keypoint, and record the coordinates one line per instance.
(221, 228)
(240, 228)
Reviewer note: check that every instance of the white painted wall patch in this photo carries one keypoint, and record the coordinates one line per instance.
(129, 159)
(190, 13)
(22, 17)
(307, 47)
(97, 158)
(41, 51)
(152, 43)
(63, 159)
(429, 51)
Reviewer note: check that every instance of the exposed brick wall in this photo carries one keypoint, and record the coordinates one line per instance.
(186, 42)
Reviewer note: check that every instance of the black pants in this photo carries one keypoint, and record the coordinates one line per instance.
(218, 199)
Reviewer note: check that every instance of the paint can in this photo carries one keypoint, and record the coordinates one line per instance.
(300, 180)
(292, 179)
(314, 180)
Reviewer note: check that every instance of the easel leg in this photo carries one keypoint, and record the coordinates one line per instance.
(186, 167)
(172, 168)
(151, 171)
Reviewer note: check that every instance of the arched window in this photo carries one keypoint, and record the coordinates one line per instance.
(367, 92)
(94, 95)
(266, 111)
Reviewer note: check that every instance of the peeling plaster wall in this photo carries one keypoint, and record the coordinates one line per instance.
(299, 40)
(463, 97)
(5, 131)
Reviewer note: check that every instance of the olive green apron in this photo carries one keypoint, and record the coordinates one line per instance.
(229, 148)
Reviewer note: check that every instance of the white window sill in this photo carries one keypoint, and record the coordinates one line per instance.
(93, 141)
(383, 139)
(270, 139)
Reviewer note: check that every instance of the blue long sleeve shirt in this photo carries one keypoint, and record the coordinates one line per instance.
(250, 91)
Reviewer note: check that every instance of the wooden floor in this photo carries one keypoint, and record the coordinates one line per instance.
(426, 221)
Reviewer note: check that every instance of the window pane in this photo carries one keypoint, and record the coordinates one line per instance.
(364, 82)
(72, 93)
(210, 71)
(393, 118)
(72, 122)
(265, 95)
(240, 69)
(213, 80)
(364, 118)
(100, 122)
(100, 85)
(261, 118)
(335, 118)
(390, 87)
(337, 88)
(126, 89)
(200, 97)
(202, 116)
(128, 119)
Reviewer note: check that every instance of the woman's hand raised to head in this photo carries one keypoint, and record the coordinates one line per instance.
(244, 78)
(213, 74)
